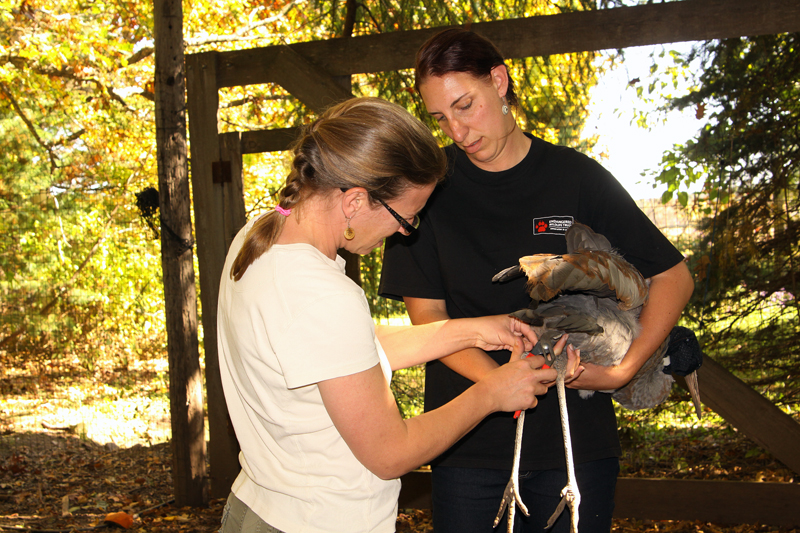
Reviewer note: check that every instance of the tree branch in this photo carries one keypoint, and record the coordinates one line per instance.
(351, 6)
(241, 34)
(21, 114)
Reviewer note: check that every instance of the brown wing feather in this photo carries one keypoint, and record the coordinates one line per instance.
(592, 271)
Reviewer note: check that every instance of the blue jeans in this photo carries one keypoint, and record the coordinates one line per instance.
(466, 500)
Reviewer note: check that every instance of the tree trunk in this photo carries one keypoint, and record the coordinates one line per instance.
(180, 294)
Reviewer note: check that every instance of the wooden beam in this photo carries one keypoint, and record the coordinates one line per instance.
(666, 22)
(750, 413)
(211, 239)
(308, 82)
(230, 194)
(415, 491)
(656, 23)
(727, 502)
(228, 205)
(275, 140)
(314, 66)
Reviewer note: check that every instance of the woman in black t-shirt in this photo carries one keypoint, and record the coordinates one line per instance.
(510, 194)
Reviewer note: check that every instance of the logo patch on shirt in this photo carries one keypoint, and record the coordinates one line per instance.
(552, 225)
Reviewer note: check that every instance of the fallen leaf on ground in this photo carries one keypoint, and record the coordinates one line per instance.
(120, 518)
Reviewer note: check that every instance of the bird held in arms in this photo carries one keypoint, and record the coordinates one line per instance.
(596, 296)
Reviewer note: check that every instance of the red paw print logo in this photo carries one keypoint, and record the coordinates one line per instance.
(541, 226)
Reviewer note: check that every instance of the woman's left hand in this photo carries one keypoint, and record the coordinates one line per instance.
(500, 332)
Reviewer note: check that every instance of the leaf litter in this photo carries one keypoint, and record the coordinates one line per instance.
(55, 479)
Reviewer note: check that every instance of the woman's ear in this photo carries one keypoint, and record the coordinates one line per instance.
(500, 80)
(353, 200)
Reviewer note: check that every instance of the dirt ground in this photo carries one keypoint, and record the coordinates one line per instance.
(77, 448)
(53, 481)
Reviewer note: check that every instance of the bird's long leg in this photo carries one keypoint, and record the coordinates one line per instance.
(569, 495)
(511, 497)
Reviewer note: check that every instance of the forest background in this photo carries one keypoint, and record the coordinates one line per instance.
(82, 333)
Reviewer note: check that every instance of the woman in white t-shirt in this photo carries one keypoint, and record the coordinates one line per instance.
(306, 371)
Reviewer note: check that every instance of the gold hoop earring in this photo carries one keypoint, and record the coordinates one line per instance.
(349, 234)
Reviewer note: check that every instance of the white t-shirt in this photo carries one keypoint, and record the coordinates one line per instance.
(293, 320)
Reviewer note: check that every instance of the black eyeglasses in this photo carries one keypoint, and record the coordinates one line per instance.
(409, 227)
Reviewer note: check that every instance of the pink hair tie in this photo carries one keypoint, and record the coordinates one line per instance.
(282, 211)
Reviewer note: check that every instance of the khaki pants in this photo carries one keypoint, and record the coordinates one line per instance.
(239, 518)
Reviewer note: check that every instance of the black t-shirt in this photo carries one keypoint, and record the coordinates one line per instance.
(477, 223)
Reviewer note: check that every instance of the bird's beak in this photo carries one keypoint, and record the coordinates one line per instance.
(694, 392)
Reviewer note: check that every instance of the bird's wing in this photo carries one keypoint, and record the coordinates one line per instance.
(582, 237)
(566, 314)
(507, 274)
(601, 273)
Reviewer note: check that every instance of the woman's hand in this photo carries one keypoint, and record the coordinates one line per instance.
(515, 385)
(501, 332)
(574, 367)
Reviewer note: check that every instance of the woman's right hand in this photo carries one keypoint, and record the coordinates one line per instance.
(515, 385)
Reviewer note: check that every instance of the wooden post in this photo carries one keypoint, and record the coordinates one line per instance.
(185, 377)
(229, 217)
(220, 207)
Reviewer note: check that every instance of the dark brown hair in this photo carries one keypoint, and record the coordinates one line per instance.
(460, 50)
(362, 142)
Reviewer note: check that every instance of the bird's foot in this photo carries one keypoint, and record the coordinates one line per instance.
(511, 499)
(569, 497)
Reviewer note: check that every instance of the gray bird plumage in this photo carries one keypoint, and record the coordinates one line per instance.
(595, 296)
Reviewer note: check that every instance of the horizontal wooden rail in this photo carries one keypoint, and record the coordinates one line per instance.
(729, 502)
(274, 140)
(663, 22)
(724, 502)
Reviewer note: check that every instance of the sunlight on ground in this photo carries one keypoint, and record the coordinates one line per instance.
(129, 407)
(123, 407)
